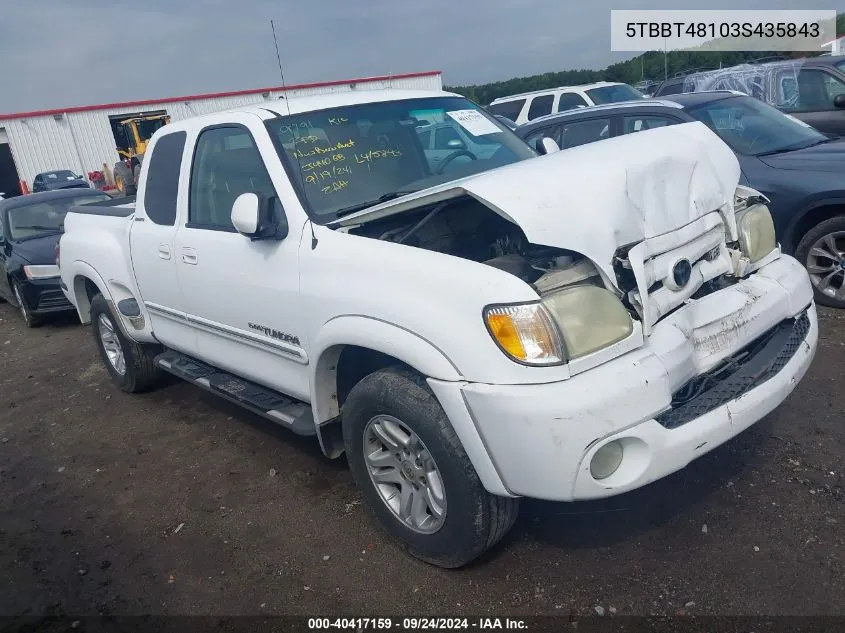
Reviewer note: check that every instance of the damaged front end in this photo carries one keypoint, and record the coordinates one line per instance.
(659, 274)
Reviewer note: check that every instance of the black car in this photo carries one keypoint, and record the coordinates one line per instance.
(800, 170)
(30, 227)
(811, 89)
(58, 179)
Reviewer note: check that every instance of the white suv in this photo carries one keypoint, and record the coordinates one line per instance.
(527, 106)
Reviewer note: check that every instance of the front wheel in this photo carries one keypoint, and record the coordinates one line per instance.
(26, 311)
(411, 468)
(129, 364)
(822, 251)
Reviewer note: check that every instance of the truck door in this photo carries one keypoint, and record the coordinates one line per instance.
(153, 243)
(241, 295)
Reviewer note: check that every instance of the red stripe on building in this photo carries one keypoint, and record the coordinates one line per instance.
(213, 95)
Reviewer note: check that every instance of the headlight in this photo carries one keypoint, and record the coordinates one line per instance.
(756, 232)
(41, 272)
(525, 332)
(589, 317)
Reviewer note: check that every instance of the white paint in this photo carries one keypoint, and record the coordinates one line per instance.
(527, 430)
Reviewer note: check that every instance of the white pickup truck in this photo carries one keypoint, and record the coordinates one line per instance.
(565, 326)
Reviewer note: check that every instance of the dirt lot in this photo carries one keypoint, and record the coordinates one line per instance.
(175, 502)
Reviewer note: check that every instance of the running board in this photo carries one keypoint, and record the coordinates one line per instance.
(287, 412)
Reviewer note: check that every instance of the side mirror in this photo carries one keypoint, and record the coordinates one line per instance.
(546, 145)
(456, 144)
(839, 101)
(258, 217)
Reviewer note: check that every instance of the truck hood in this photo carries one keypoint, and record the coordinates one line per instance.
(595, 198)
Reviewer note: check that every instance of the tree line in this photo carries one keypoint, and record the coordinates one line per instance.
(648, 66)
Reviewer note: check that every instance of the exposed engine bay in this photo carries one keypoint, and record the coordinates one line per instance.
(466, 228)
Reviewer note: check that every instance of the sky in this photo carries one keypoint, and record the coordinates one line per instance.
(62, 53)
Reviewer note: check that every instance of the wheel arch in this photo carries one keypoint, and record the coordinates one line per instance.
(356, 343)
(809, 216)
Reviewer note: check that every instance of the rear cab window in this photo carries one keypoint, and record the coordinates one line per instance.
(162, 184)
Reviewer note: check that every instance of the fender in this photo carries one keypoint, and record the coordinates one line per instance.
(377, 335)
(114, 291)
(803, 212)
(444, 378)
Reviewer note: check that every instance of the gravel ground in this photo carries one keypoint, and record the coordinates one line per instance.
(175, 502)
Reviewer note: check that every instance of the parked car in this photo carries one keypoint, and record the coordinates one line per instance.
(58, 179)
(812, 89)
(29, 231)
(528, 106)
(460, 329)
(796, 167)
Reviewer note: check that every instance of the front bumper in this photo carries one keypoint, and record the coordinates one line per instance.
(754, 341)
(45, 296)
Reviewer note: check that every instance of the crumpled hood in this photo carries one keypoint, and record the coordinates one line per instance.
(597, 197)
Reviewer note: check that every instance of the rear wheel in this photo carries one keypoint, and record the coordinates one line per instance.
(129, 364)
(411, 468)
(26, 311)
(822, 251)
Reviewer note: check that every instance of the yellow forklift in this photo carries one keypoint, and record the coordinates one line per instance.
(137, 132)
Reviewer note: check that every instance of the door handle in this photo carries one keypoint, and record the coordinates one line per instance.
(164, 251)
(189, 256)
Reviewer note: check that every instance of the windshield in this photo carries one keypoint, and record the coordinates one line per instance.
(614, 94)
(62, 174)
(147, 128)
(841, 65)
(349, 158)
(42, 218)
(752, 127)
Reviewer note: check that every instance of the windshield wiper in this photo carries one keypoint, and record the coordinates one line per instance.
(38, 227)
(795, 148)
(371, 203)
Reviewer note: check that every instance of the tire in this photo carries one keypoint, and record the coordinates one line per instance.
(122, 172)
(137, 372)
(826, 273)
(473, 520)
(29, 318)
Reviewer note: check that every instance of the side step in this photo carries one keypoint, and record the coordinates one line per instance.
(290, 413)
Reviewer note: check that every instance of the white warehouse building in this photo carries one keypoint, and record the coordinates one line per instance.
(82, 139)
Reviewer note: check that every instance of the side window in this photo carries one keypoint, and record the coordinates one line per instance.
(550, 132)
(540, 106)
(646, 122)
(583, 132)
(569, 101)
(162, 184)
(816, 91)
(444, 135)
(508, 109)
(227, 163)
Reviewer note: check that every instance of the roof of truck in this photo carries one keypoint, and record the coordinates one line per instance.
(298, 105)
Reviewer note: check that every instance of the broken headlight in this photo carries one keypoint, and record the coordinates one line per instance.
(756, 232)
(589, 317)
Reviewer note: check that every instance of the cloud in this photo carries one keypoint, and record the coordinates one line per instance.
(80, 52)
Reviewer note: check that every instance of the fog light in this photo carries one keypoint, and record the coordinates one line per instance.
(606, 460)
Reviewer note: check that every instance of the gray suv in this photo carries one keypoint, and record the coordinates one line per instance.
(811, 89)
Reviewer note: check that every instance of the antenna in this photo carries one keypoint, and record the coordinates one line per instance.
(293, 135)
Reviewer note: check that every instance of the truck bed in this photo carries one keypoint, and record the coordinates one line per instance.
(116, 207)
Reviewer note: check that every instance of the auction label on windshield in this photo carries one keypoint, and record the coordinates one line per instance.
(474, 122)
(716, 30)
